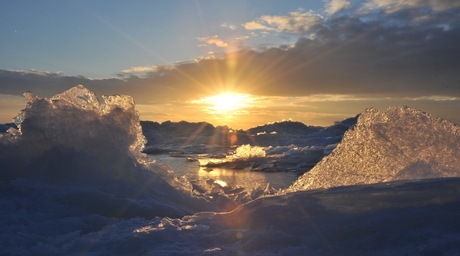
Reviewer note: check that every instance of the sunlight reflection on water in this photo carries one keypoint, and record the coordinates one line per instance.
(234, 178)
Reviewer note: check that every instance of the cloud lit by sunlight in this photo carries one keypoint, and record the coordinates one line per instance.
(333, 63)
(213, 40)
(140, 69)
(336, 5)
(297, 22)
(229, 26)
(391, 6)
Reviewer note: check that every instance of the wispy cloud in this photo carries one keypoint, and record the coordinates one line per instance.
(213, 40)
(240, 38)
(334, 6)
(370, 98)
(34, 71)
(229, 26)
(435, 98)
(297, 22)
(139, 69)
(46, 83)
(258, 25)
(391, 6)
(355, 58)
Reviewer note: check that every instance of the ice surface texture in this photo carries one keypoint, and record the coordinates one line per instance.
(247, 152)
(73, 182)
(89, 154)
(75, 123)
(400, 144)
(419, 218)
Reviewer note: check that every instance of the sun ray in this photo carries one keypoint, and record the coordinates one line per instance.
(226, 103)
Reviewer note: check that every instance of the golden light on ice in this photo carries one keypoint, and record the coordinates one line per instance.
(226, 103)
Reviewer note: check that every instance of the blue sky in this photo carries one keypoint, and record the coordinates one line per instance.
(101, 38)
(311, 61)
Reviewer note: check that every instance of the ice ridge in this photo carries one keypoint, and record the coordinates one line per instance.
(399, 144)
(93, 150)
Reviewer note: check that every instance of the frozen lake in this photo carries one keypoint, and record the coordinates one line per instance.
(234, 178)
(390, 187)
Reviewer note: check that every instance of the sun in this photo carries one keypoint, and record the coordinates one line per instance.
(226, 103)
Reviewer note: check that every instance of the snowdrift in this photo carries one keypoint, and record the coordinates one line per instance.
(419, 218)
(400, 144)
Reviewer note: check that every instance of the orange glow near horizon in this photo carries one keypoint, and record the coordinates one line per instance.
(227, 103)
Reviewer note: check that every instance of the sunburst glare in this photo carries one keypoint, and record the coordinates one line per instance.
(227, 103)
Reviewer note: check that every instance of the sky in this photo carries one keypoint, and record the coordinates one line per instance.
(236, 63)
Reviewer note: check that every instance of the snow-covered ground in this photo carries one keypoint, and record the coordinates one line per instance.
(74, 182)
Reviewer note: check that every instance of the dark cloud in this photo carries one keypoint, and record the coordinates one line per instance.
(46, 84)
(411, 52)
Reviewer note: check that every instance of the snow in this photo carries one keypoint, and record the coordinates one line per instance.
(73, 181)
(419, 218)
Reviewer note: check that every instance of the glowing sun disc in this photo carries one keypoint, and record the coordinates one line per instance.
(225, 103)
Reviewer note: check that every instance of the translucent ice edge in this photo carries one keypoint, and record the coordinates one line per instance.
(399, 144)
(73, 140)
(89, 154)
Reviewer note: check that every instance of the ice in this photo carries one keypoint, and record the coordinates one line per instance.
(276, 147)
(73, 141)
(73, 182)
(329, 148)
(79, 97)
(294, 158)
(418, 218)
(399, 144)
(248, 152)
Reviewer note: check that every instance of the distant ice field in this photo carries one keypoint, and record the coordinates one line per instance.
(74, 181)
(234, 178)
